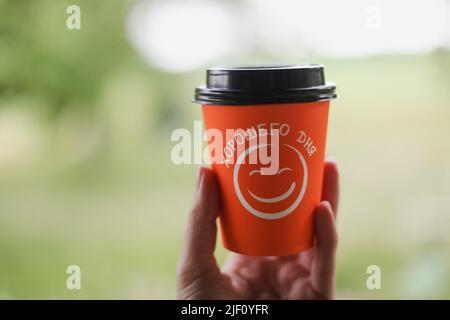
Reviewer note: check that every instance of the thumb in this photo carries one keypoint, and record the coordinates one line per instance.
(201, 230)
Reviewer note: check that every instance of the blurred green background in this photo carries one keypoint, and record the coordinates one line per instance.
(86, 176)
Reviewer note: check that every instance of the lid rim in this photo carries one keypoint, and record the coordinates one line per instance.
(327, 86)
(210, 100)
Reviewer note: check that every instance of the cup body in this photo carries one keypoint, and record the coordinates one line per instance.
(269, 215)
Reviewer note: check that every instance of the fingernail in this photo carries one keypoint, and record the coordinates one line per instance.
(332, 160)
(199, 176)
(326, 204)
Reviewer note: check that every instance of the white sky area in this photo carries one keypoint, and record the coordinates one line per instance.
(182, 35)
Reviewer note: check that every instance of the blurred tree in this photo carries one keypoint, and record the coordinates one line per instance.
(42, 59)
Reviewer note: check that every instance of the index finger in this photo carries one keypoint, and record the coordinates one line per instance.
(330, 185)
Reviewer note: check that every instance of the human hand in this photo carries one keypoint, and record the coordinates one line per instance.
(307, 275)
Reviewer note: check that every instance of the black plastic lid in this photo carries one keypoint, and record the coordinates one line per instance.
(264, 84)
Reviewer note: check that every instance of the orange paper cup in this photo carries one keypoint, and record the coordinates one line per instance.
(267, 214)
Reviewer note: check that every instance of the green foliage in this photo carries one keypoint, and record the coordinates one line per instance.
(41, 58)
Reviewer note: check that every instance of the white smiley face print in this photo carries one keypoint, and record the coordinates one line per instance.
(271, 197)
